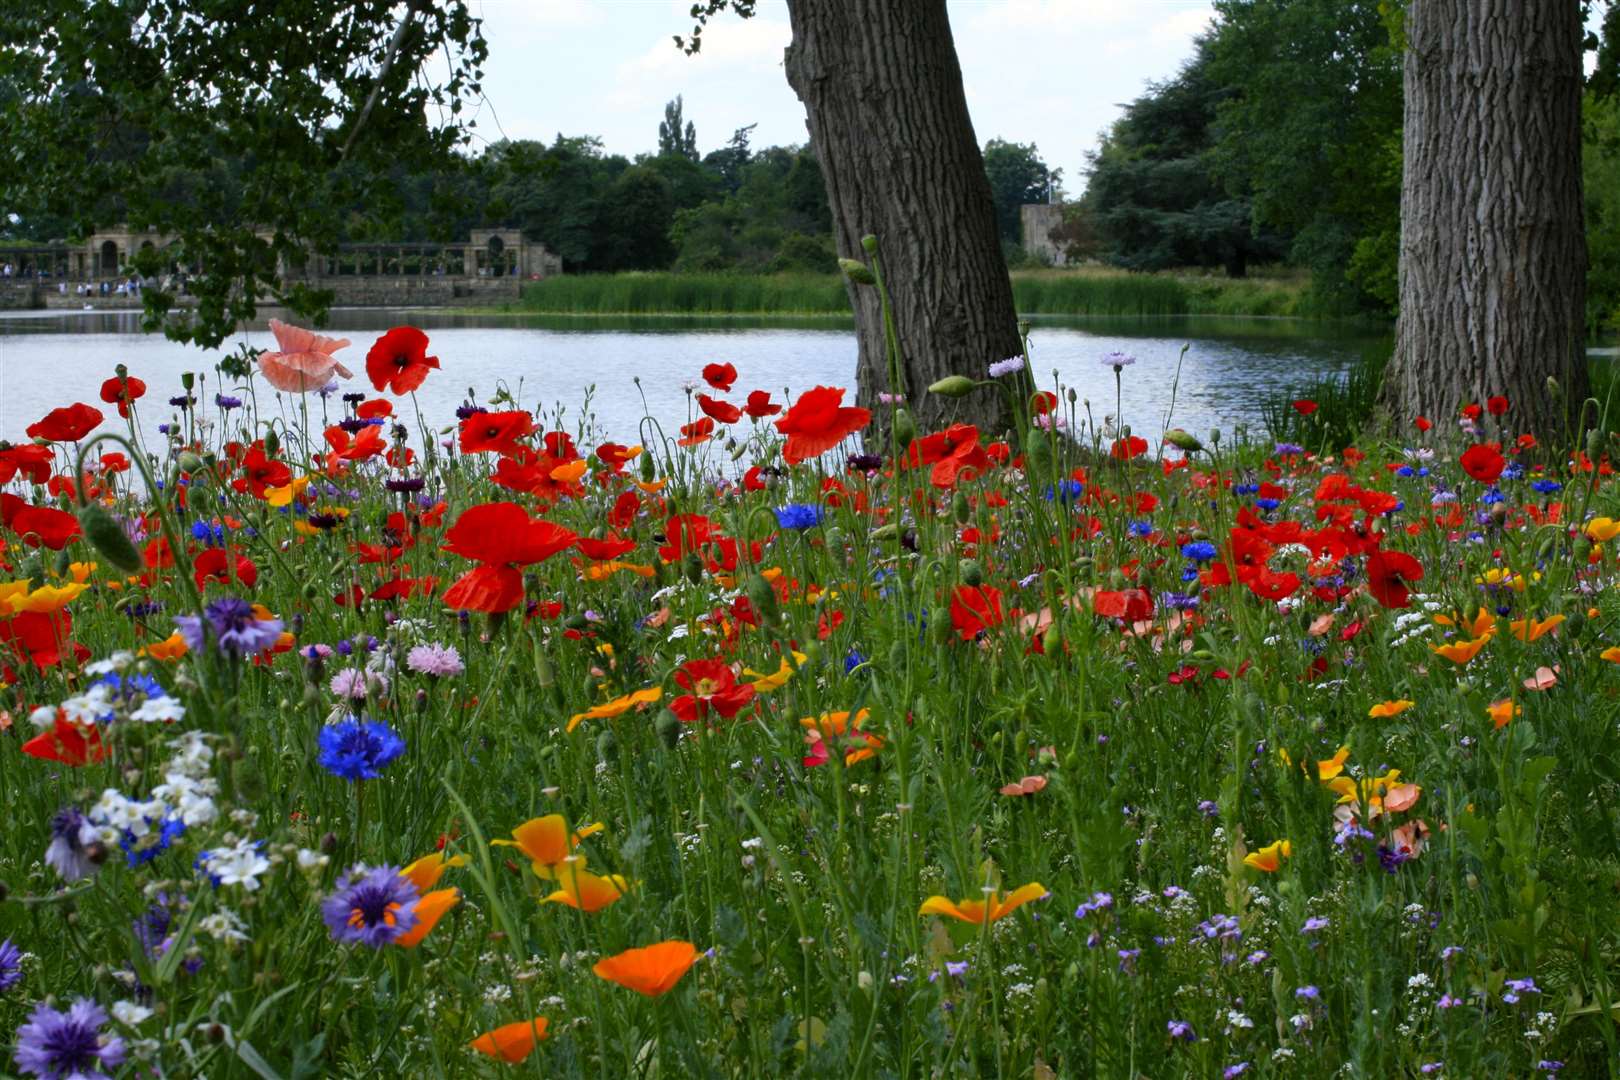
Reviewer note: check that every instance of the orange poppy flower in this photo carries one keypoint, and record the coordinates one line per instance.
(1530, 630)
(425, 872)
(1460, 652)
(430, 908)
(1502, 712)
(1386, 709)
(993, 907)
(1269, 859)
(618, 706)
(512, 1042)
(652, 970)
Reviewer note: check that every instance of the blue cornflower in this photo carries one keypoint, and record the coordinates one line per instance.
(56, 1045)
(1513, 471)
(1547, 487)
(1198, 551)
(139, 850)
(10, 965)
(1141, 528)
(374, 907)
(1405, 471)
(225, 401)
(358, 749)
(799, 515)
(1066, 492)
(853, 661)
(1180, 1029)
(1267, 504)
(1285, 448)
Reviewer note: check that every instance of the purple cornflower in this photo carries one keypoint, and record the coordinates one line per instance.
(1431, 1068)
(406, 486)
(1447, 1002)
(1549, 1066)
(1307, 993)
(956, 968)
(234, 626)
(10, 965)
(1232, 1072)
(1515, 987)
(225, 401)
(1127, 960)
(1006, 367)
(375, 907)
(1100, 901)
(71, 853)
(68, 1045)
(1314, 924)
(1286, 448)
(1180, 1029)
(438, 661)
(358, 749)
(1118, 360)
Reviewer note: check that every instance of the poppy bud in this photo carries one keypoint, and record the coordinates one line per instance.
(693, 567)
(188, 379)
(971, 572)
(668, 727)
(856, 271)
(1554, 391)
(762, 597)
(272, 442)
(1215, 436)
(310, 590)
(646, 468)
(606, 744)
(109, 538)
(885, 532)
(1183, 440)
(329, 843)
(64, 560)
(1038, 451)
(1052, 640)
(189, 462)
(939, 621)
(1576, 623)
(953, 386)
(905, 428)
(869, 243)
(1071, 763)
(1594, 443)
(960, 508)
(575, 621)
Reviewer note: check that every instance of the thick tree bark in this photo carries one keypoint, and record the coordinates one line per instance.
(1493, 248)
(889, 123)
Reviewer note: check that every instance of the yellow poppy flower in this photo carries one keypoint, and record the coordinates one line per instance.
(44, 600)
(547, 842)
(172, 647)
(586, 891)
(1386, 709)
(765, 683)
(1611, 654)
(81, 571)
(569, 472)
(618, 706)
(1601, 530)
(1326, 769)
(600, 571)
(426, 871)
(993, 907)
(287, 493)
(1270, 858)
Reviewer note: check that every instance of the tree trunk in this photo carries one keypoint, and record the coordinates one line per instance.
(889, 123)
(1493, 247)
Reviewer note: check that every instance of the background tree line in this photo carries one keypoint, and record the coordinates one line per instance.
(1280, 140)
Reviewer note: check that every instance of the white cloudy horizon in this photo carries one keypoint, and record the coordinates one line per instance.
(1049, 72)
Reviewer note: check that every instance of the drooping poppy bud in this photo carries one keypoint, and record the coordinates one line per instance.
(109, 538)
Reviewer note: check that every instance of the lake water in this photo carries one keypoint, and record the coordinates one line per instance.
(49, 359)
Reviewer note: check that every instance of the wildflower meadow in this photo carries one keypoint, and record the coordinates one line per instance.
(782, 738)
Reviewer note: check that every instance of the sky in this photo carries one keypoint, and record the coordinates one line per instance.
(1051, 72)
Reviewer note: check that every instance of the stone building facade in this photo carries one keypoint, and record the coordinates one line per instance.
(1037, 220)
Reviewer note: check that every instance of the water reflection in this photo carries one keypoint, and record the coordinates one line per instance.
(559, 362)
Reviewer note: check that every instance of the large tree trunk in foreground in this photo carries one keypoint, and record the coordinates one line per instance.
(1493, 247)
(889, 123)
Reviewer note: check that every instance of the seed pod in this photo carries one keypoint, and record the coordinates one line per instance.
(869, 244)
(107, 537)
(960, 509)
(905, 428)
(971, 572)
(952, 386)
(857, 271)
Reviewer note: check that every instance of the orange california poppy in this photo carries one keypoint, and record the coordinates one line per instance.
(1502, 712)
(585, 891)
(653, 970)
(512, 1042)
(993, 907)
(430, 908)
(1386, 709)
(1269, 858)
(1460, 652)
(618, 706)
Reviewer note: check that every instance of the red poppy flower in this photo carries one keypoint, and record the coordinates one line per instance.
(215, 564)
(625, 509)
(399, 362)
(122, 391)
(1423, 423)
(952, 453)
(1472, 411)
(604, 549)
(1387, 575)
(720, 376)
(261, 473)
(759, 405)
(974, 609)
(1132, 605)
(30, 460)
(1043, 402)
(1133, 446)
(614, 455)
(375, 409)
(698, 431)
(817, 422)
(1304, 406)
(38, 526)
(1483, 461)
(1269, 585)
(364, 446)
(501, 536)
(710, 685)
(1496, 406)
(40, 638)
(68, 424)
(67, 743)
(723, 411)
(496, 432)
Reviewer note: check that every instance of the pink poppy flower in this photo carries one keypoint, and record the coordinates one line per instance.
(304, 361)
